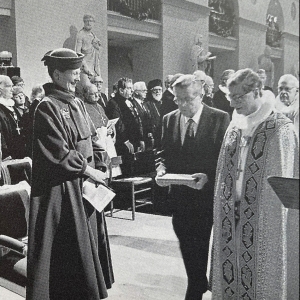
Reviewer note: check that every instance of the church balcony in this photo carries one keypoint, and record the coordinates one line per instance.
(136, 9)
(5, 7)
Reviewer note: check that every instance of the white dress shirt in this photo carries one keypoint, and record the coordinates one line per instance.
(184, 123)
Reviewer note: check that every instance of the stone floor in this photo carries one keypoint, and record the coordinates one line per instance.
(146, 259)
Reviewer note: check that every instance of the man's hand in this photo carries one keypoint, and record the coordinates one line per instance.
(142, 146)
(96, 175)
(160, 171)
(129, 146)
(199, 182)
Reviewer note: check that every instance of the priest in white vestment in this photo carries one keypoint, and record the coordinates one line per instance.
(256, 243)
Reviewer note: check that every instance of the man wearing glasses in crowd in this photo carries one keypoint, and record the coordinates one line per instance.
(98, 82)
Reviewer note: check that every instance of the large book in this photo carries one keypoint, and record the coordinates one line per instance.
(287, 190)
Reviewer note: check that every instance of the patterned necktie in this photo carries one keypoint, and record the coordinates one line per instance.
(189, 136)
(190, 131)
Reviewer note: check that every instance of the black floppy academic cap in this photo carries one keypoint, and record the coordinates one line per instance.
(63, 59)
(154, 83)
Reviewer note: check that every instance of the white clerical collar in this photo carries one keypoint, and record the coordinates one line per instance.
(196, 117)
(9, 103)
(171, 91)
(247, 123)
(224, 89)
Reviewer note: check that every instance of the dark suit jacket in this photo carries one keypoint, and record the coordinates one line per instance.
(154, 108)
(145, 117)
(128, 127)
(104, 102)
(168, 103)
(220, 102)
(202, 159)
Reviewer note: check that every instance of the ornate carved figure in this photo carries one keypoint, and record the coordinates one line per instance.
(88, 44)
(199, 57)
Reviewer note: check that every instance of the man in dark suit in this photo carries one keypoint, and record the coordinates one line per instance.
(98, 82)
(138, 100)
(129, 129)
(191, 141)
(167, 99)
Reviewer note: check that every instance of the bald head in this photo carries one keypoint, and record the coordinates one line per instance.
(5, 87)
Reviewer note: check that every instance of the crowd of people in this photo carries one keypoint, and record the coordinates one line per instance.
(230, 141)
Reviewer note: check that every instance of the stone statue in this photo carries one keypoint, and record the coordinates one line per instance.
(265, 62)
(295, 70)
(88, 44)
(199, 57)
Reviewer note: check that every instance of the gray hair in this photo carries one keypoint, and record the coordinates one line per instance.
(289, 78)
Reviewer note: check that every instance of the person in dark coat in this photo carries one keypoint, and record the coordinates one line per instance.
(98, 82)
(138, 100)
(191, 141)
(68, 250)
(129, 128)
(208, 91)
(154, 103)
(12, 140)
(220, 99)
(167, 99)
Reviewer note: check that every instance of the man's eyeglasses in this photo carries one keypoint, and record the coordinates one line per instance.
(238, 98)
(142, 91)
(20, 84)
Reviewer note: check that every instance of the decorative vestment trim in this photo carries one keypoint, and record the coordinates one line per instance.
(240, 250)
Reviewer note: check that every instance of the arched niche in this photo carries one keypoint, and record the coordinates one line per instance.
(275, 10)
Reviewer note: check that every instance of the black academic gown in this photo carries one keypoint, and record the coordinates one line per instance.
(156, 119)
(68, 250)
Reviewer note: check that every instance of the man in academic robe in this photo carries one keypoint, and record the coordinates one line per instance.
(256, 239)
(191, 140)
(154, 103)
(68, 249)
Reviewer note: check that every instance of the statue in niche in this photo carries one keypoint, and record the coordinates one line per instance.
(265, 62)
(88, 44)
(201, 60)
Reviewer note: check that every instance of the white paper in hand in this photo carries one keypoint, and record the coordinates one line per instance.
(99, 196)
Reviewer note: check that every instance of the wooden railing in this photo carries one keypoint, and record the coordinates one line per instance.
(137, 9)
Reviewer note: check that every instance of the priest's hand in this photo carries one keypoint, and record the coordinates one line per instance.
(199, 181)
